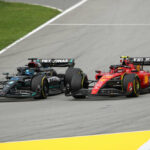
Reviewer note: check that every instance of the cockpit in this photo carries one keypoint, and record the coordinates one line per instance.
(29, 72)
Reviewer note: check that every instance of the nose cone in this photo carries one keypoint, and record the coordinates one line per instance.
(101, 83)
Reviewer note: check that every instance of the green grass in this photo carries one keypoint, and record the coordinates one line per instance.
(17, 19)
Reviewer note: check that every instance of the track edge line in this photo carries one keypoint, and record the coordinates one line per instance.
(43, 25)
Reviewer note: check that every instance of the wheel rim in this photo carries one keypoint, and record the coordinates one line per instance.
(136, 87)
(44, 88)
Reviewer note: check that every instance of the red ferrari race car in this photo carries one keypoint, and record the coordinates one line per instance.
(128, 78)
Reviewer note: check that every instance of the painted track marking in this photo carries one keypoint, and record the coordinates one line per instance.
(145, 146)
(117, 141)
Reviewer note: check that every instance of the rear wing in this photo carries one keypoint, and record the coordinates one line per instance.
(144, 61)
(57, 62)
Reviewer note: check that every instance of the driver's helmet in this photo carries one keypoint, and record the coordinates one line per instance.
(29, 72)
(34, 65)
(138, 67)
(120, 69)
(125, 60)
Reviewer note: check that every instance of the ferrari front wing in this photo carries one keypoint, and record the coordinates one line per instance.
(101, 92)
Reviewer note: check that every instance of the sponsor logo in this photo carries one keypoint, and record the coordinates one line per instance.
(14, 79)
(46, 60)
(147, 59)
(54, 60)
(53, 79)
(130, 87)
(146, 79)
(105, 78)
(138, 59)
(10, 82)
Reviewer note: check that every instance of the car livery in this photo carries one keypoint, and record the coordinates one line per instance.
(38, 79)
(127, 78)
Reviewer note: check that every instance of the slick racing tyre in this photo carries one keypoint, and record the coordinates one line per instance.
(69, 74)
(68, 77)
(39, 84)
(77, 81)
(131, 85)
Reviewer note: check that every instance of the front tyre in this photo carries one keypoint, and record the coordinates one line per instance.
(79, 81)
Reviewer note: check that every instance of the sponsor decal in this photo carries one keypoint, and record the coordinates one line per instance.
(10, 82)
(143, 60)
(46, 60)
(138, 59)
(105, 78)
(54, 60)
(14, 79)
(130, 87)
(53, 79)
(147, 59)
(61, 61)
(146, 79)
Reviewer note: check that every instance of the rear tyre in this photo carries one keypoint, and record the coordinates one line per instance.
(131, 85)
(40, 85)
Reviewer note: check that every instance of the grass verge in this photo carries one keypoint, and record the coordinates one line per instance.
(18, 19)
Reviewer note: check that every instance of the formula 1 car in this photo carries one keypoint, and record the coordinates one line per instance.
(38, 79)
(127, 78)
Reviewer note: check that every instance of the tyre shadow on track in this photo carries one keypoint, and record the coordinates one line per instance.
(93, 98)
(3, 100)
(106, 98)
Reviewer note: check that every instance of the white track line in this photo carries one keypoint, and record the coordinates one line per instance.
(44, 25)
(99, 24)
(145, 146)
(48, 6)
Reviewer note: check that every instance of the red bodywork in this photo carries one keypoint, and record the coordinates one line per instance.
(120, 71)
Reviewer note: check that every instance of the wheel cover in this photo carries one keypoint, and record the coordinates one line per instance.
(44, 88)
(136, 87)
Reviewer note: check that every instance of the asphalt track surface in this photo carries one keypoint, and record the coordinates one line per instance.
(95, 34)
